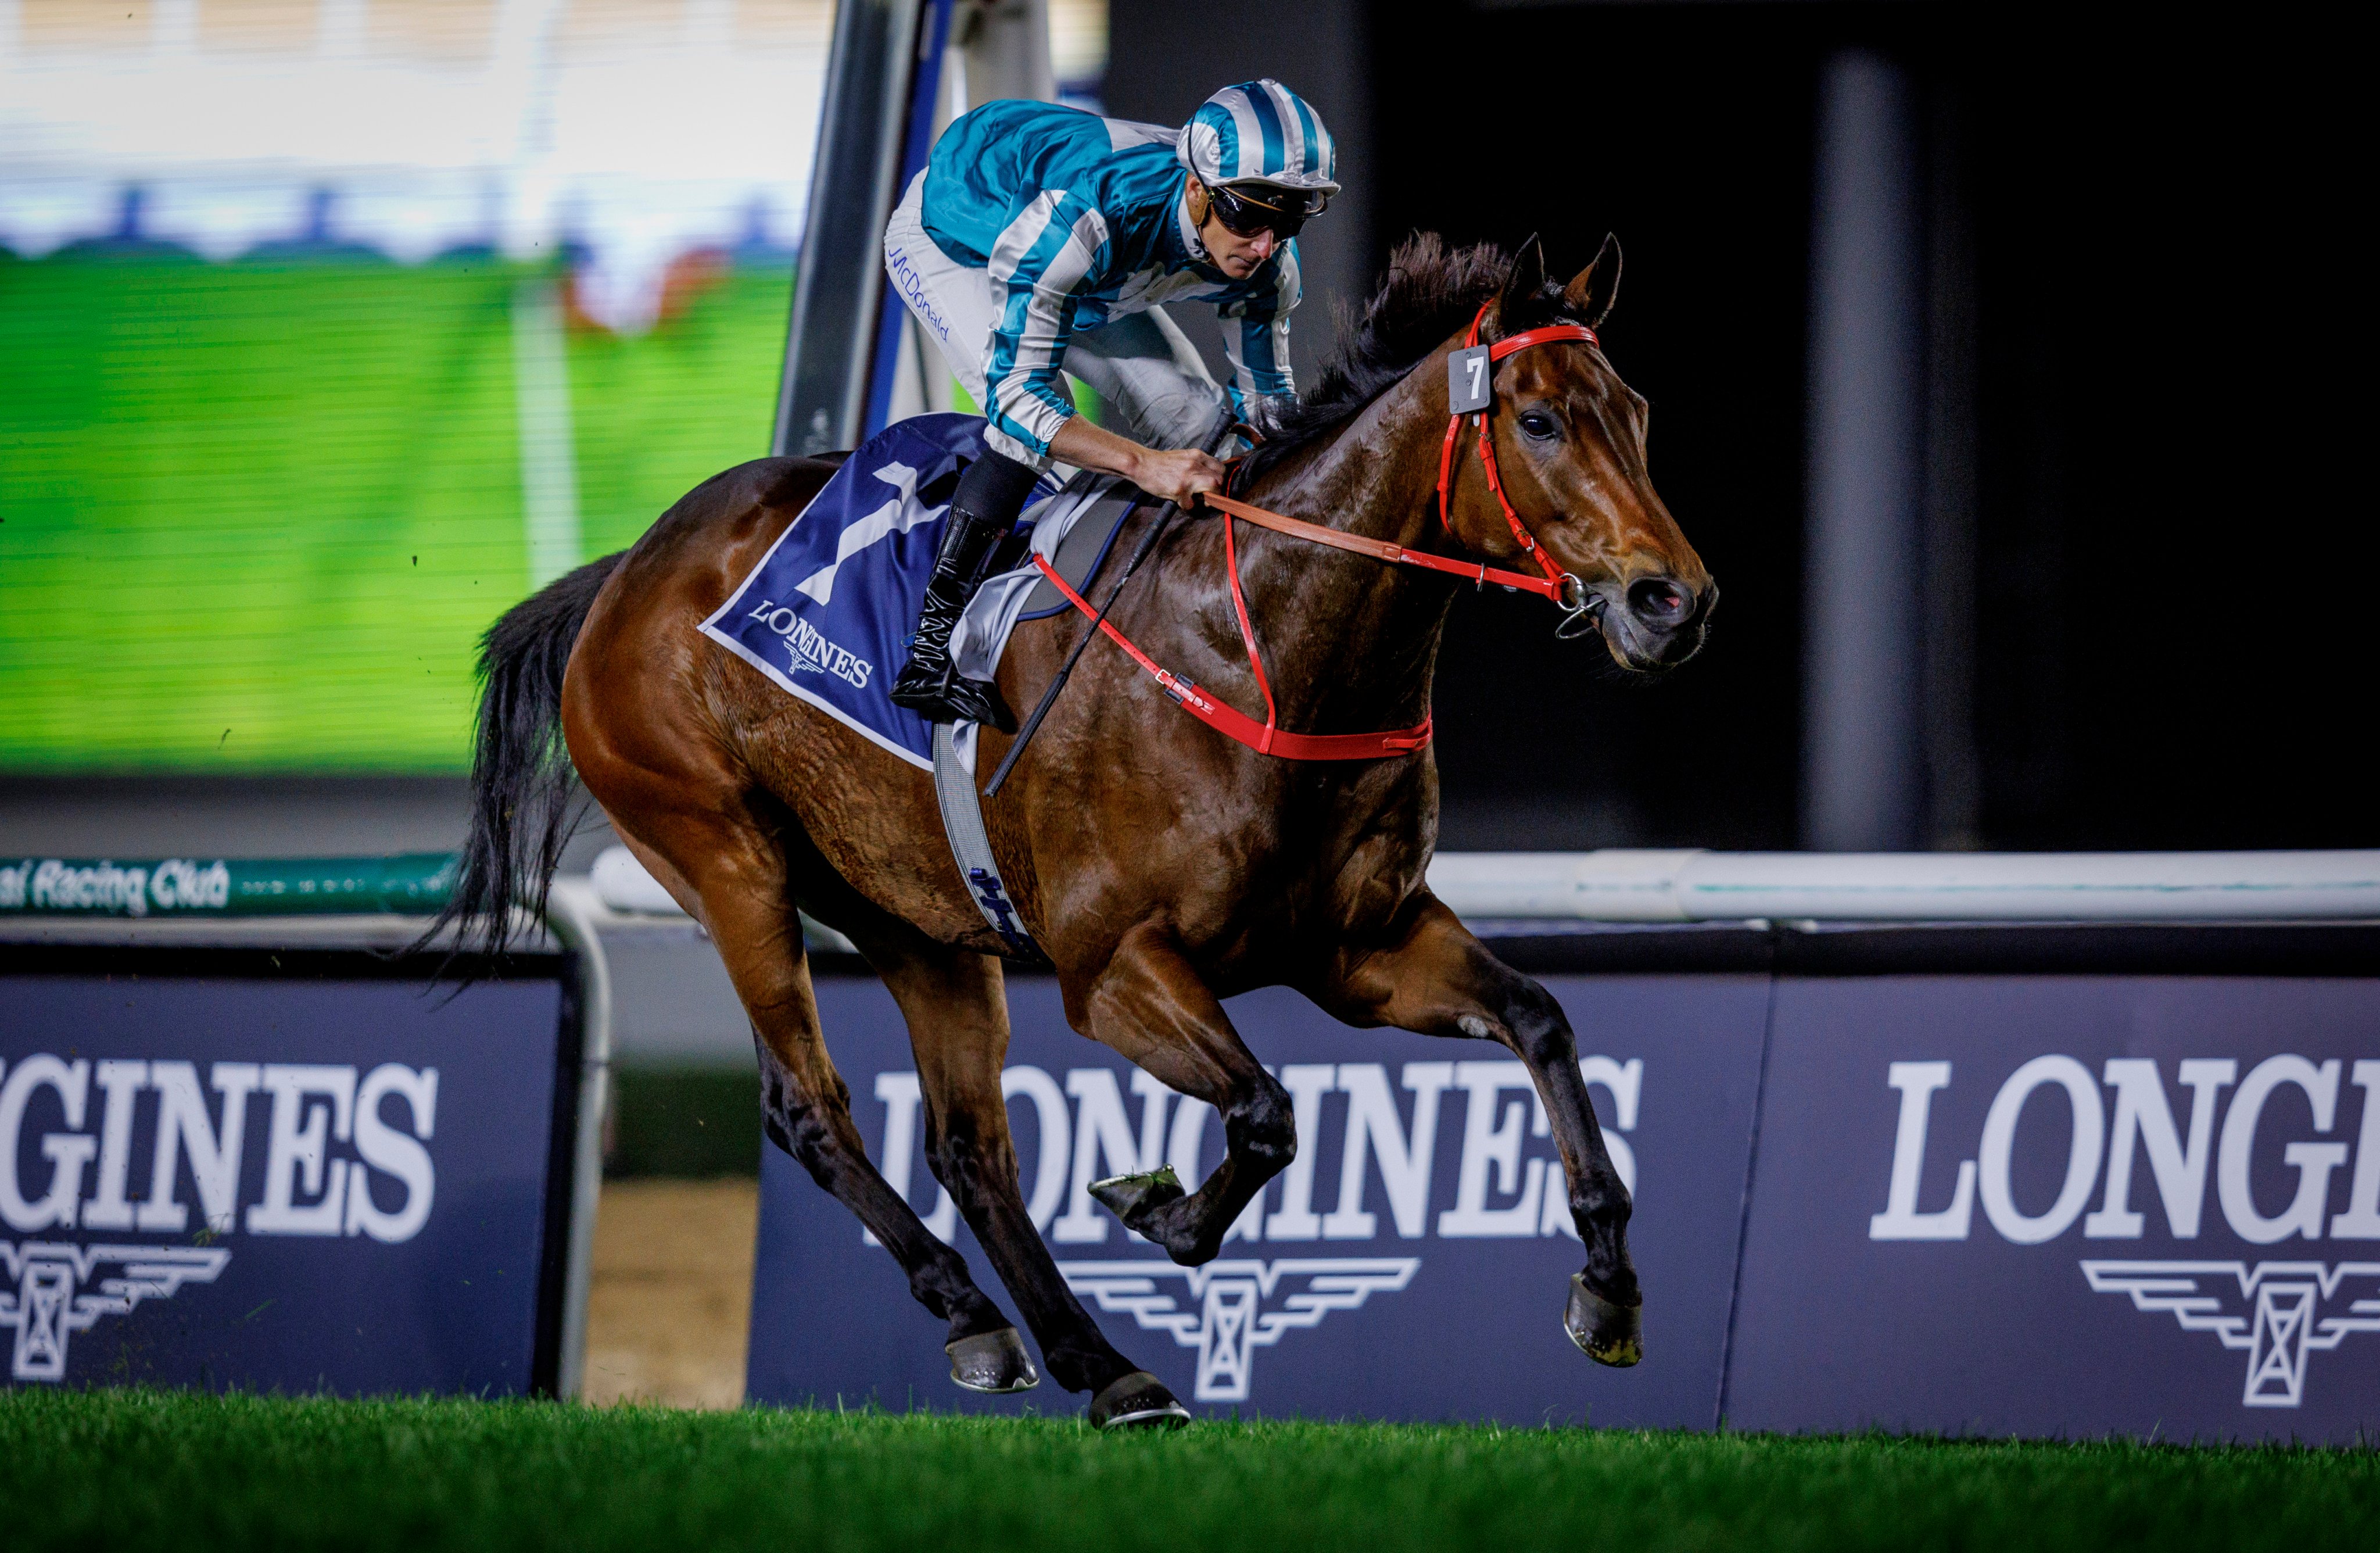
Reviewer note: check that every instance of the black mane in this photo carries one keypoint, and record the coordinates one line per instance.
(1431, 292)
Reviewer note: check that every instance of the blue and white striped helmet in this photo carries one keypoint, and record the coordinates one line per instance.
(1259, 132)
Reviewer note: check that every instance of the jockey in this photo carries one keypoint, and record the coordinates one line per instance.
(1041, 237)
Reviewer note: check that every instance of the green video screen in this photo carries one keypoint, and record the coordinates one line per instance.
(254, 515)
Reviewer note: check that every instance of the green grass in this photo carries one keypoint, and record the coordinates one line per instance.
(253, 516)
(135, 1469)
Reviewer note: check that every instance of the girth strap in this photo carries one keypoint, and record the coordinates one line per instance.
(971, 846)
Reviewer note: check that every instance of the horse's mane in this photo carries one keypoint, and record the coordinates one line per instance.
(1431, 292)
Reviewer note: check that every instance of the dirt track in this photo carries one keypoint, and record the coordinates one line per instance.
(670, 1306)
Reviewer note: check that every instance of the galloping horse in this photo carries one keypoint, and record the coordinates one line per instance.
(1160, 867)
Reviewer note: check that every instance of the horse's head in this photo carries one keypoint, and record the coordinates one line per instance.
(1569, 449)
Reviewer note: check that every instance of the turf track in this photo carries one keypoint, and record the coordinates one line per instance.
(169, 1469)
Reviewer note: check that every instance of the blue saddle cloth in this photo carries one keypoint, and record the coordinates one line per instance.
(829, 612)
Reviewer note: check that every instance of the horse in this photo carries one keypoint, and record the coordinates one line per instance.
(1160, 867)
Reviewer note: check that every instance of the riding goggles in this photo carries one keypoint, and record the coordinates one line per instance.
(1282, 211)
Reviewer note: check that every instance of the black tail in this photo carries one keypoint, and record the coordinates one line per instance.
(522, 812)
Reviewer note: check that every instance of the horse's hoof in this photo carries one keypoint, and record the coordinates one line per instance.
(1134, 1198)
(992, 1362)
(1139, 1400)
(1607, 1333)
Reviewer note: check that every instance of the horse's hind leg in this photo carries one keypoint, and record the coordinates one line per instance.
(738, 872)
(958, 1026)
(1439, 980)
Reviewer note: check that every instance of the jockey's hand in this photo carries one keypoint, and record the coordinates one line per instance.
(1179, 475)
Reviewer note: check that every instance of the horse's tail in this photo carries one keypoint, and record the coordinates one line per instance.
(521, 780)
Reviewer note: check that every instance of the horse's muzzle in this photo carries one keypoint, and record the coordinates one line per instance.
(1654, 623)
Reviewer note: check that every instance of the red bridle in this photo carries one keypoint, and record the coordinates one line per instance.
(1268, 736)
(1561, 585)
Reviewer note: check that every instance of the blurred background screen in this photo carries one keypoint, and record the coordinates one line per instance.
(331, 327)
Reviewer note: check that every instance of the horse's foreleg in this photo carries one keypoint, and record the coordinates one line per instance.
(1151, 1005)
(1439, 980)
(739, 875)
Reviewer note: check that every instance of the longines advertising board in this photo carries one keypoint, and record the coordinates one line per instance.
(1412, 1263)
(294, 1170)
(2046, 1181)
(2066, 1205)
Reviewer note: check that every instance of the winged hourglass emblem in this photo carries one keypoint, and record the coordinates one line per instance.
(49, 1291)
(1228, 1310)
(2279, 1313)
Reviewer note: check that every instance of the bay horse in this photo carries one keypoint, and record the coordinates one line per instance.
(1160, 866)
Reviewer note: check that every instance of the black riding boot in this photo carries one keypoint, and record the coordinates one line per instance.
(982, 510)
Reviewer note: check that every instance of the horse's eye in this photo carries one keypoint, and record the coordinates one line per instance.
(1539, 424)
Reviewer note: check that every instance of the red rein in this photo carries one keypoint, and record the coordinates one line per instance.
(1269, 737)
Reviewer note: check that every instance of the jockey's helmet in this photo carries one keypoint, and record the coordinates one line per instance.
(1260, 132)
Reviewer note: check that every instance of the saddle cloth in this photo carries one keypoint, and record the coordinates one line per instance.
(829, 612)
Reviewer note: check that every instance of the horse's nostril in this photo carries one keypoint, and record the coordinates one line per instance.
(1658, 601)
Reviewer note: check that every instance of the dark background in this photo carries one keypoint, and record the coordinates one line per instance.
(2142, 537)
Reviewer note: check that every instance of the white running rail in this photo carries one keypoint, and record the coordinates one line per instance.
(1691, 884)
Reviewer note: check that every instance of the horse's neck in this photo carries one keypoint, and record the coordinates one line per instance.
(1344, 637)
(1375, 476)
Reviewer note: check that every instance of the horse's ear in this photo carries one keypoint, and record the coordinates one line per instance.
(1521, 288)
(1594, 289)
